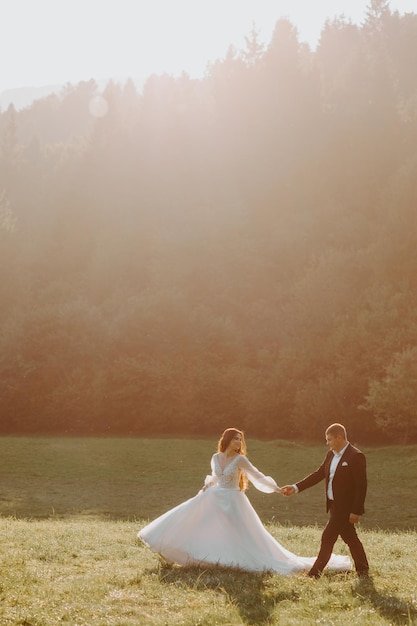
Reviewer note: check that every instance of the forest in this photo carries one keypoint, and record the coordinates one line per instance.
(236, 250)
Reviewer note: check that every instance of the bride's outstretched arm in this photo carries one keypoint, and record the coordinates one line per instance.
(264, 483)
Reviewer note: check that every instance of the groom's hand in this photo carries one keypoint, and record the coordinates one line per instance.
(288, 490)
(353, 518)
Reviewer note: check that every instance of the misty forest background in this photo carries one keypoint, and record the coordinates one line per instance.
(239, 249)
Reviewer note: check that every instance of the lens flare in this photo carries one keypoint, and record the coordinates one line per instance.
(98, 106)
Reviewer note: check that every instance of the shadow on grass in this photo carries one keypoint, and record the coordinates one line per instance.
(392, 608)
(245, 590)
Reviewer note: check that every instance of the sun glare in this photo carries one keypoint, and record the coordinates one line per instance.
(98, 106)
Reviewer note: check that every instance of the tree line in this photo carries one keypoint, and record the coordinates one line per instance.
(239, 249)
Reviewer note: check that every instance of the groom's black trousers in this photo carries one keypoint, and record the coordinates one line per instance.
(339, 525)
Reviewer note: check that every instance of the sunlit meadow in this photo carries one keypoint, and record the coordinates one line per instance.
(70, 554)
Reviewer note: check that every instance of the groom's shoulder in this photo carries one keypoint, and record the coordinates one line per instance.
(354, 451)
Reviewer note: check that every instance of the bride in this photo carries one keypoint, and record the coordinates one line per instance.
(219, 526)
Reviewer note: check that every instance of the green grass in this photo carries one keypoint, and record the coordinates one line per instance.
(92, 572)
(142, 478)
(69, 552)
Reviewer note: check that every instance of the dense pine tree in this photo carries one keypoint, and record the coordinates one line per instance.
(236, 250)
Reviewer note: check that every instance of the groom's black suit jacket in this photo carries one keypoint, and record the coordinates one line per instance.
(349, 481)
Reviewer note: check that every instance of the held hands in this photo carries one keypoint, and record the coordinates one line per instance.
(288, 490)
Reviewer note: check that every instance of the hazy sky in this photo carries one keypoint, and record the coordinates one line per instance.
(44, 42)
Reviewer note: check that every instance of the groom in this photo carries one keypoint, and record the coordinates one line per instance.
(344, 469)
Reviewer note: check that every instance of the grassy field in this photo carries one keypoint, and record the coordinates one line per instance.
(71, 509)
(142, 478)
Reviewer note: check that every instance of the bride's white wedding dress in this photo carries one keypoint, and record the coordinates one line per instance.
(219, 526)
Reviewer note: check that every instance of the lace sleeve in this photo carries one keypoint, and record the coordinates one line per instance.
(211, 479)
(263, 483)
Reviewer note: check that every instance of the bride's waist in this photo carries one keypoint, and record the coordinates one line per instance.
(229, 487)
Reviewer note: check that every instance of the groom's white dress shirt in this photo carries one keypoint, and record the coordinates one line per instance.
(333, 466)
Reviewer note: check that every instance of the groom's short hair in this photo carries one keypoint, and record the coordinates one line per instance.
(336, 429)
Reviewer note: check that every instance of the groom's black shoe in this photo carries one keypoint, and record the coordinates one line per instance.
(314, 574)
(363, 574)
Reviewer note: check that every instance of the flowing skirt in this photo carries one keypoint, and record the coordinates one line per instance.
(220, 527)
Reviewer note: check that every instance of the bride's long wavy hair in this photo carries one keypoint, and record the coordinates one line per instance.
(223, 444)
